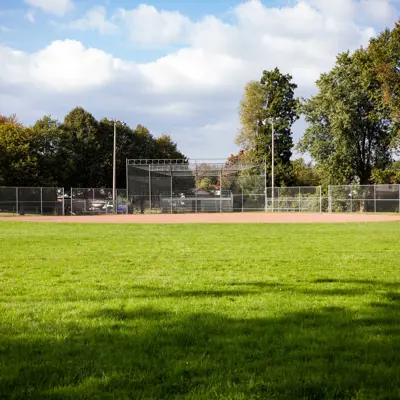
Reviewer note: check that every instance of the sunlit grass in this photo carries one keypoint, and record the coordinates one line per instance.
(199, 311)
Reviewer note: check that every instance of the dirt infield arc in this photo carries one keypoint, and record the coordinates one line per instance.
(212, 218)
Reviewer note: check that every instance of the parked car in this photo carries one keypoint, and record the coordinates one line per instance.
(122, 209)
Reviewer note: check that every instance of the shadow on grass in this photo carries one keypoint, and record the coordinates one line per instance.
(122, 314)
(146, 291)
(359, 282)
(146, 353)
(250, 288)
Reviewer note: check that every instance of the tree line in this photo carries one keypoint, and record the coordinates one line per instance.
(353, 120)
(77, 152)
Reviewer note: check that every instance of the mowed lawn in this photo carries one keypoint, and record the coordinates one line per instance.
(199, 311)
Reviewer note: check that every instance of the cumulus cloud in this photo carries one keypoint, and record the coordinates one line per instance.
(58, 7)
(193, 92)
(146, 25)
(95, 19)
(63, 66)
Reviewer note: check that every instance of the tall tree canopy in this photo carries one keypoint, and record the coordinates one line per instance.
(390, 175)
(271, 98)
(385, 56)
(75, 153)
(18, 163)
(305, 173)
(350, 130)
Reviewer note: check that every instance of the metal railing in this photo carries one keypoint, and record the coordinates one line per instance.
(60, 201)
(94, 201)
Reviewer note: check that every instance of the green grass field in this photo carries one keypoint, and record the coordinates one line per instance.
(199, 311)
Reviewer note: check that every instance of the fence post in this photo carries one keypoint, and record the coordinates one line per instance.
(41, 201)
(16, 200)
(171, 189)
(280, 202)
(71, 202)
(320, 200)
(150, 187)
(243, 199)
(62, 204)
(374, 198)
(265, 186)
(299, 199)
(351, 198)
(220, 190)
(398, 188)
(329, 199)
(127, 186)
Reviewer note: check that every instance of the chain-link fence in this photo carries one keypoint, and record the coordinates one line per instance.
(31, 200)
(296, 199)
(196, 193)
(86, 201)
(178, 186)
(364, 198)
(60, 201)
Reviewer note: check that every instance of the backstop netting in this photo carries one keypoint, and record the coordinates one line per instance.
(193, 186)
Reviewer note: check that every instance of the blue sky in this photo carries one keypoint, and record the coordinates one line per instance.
(32, 37)
(176, 66)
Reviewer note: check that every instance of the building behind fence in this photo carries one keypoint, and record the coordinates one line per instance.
(233, 195)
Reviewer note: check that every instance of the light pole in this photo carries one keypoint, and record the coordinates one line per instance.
(273, 162)
(272, 122)
(114, 167)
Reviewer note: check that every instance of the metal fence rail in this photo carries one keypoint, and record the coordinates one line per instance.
(243, 194)
(60, 201)
(86, 201)
(364, 198)
(31, 200)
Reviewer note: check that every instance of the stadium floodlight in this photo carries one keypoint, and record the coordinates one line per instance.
(272, 122)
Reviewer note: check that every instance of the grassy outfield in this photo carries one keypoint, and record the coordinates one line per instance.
(199, 311)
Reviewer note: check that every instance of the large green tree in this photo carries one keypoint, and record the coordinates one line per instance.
(305, 173)
(165, 147)
(271, 98)
(350, 130)
(80, 148)
(18, 162)
(384, 52)
(75, 153)
(131, 143)
(46, 147)
(390, 175)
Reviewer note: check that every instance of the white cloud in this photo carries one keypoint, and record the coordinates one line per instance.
(191, 69)
(30, 16)
(95, 19)
(58, 7)
(192, 93)
(377, 11)
(63, 66)
(3, 28)
(147, 25)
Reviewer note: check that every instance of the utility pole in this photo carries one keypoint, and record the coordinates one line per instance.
(272, 122)
(114, 168)
(273, 163)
